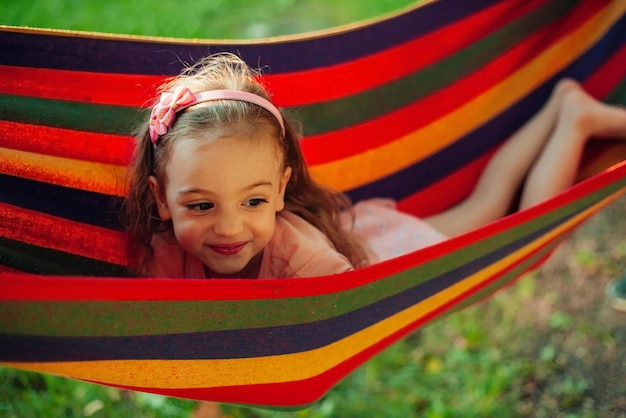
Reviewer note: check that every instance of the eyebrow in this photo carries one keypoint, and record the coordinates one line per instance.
(193, 190)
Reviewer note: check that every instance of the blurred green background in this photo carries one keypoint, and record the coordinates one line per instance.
(215, 19)
(521, 353)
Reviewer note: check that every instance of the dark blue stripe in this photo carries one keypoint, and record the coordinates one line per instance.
(102, 210)
(37, 260)
(77, 205)
(143, 57)
(247, 343)
(480, 141)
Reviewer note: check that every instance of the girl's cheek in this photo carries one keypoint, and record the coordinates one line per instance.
(185, 225)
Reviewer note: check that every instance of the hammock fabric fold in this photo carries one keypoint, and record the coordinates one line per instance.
(409, 106)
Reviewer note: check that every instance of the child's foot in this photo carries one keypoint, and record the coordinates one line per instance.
(590, 116)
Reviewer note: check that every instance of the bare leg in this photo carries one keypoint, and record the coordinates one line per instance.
(504, 173)
(547, 149)
(580, 118)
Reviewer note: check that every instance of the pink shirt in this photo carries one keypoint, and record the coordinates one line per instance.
(297, 249)
(388, 232)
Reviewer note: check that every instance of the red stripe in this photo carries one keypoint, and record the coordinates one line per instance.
(67, 143)
(437, 197)
(336, 81)
(303, 392)
(292, 89)
(60, 234)
(79, 86)
(574, 193)
(70, 288)
(608, 76)
(446, 192)
(380, 131)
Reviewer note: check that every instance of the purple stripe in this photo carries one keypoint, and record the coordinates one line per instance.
(160, 58)
(253, 342)
(472, 146)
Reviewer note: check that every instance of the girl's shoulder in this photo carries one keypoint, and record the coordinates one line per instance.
(299, 249)
(292, 226)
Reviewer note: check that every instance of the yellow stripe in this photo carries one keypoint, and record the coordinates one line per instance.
(348, 173)
(371, 165)
(84, 175)
(184, 374)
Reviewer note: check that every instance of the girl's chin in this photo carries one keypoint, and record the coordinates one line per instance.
(235, 270)
(248, 271)
(223, 273)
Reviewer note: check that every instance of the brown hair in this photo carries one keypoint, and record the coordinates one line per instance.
(318, 205)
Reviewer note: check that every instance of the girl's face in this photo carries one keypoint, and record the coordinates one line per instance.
(222, 197)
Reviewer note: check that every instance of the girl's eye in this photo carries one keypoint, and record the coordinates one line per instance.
(255, 202)
(201, 207)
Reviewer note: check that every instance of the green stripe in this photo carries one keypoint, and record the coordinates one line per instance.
(356, 109)
(79, 116)
(618, 95)
(161, 317)
(39, 260)
(514, 274)
(318, 118)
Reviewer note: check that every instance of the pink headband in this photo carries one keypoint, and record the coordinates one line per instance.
(164, 113)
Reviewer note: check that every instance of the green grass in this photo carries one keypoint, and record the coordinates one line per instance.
(463, 365)
(494, 359)
(26, 394)
(214, 19)
(497, 358)
(459, 366)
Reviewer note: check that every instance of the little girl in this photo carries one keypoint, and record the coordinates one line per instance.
(220, 187)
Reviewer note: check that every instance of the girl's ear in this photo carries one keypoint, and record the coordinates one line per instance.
(159, 198)
(281, 190)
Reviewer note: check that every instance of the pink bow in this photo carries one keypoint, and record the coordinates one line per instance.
(164, 113)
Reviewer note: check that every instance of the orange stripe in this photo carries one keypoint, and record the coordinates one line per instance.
(385, 160)
(386, 128)
(183, 374)
(83, 175)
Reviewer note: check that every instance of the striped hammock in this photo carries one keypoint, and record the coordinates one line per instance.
(409, 106)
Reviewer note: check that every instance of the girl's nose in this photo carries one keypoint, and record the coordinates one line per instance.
(228, 224)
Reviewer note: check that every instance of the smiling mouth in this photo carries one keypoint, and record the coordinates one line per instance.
(228, 249)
